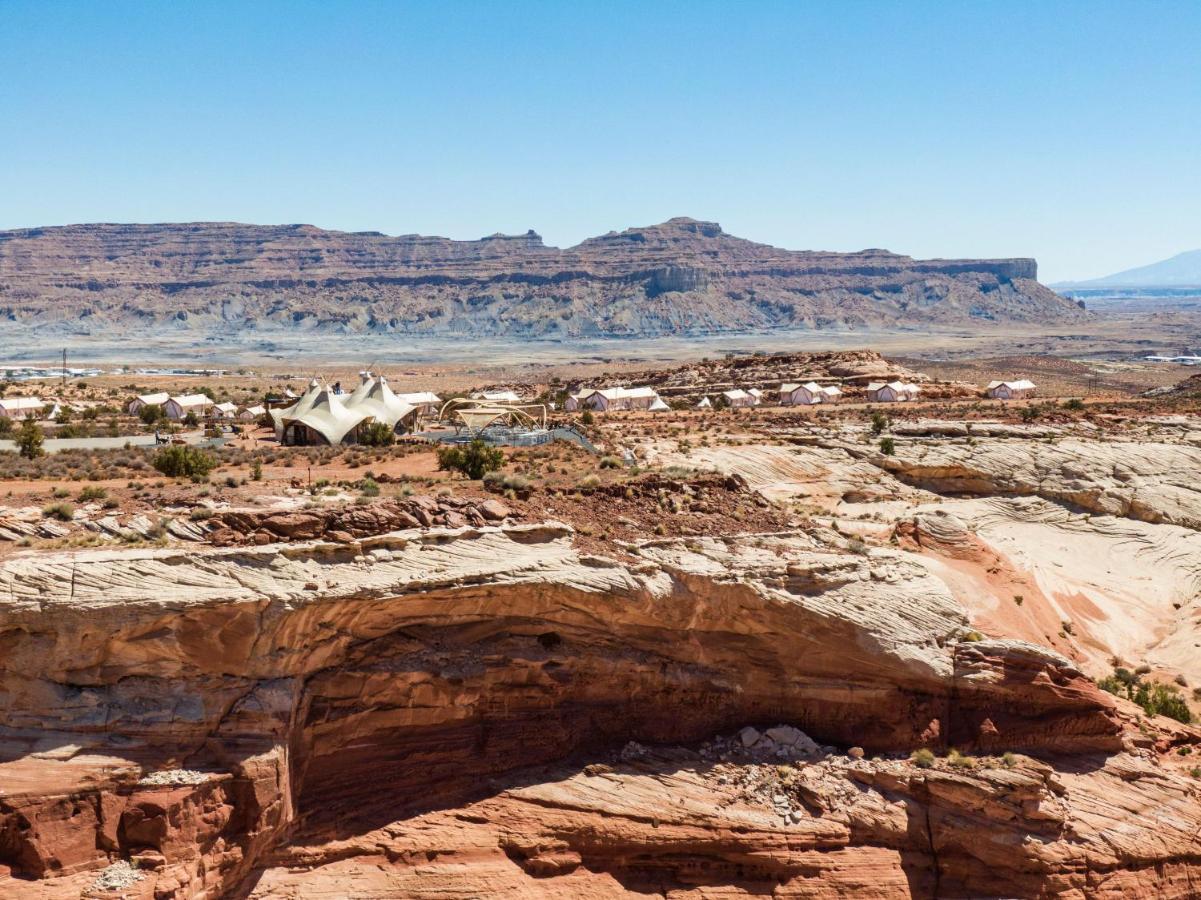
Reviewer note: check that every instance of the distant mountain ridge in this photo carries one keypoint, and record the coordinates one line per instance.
(1180, 271)
(681, 276)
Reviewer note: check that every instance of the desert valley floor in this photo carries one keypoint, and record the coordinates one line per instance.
(944, 648)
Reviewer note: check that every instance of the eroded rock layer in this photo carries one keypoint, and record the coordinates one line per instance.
(680, 276)
(397, 711)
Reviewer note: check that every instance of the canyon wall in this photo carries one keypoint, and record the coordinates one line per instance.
(212, 715)
(682, 276)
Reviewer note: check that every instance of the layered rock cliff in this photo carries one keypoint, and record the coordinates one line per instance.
(682, 276)
(449, 712)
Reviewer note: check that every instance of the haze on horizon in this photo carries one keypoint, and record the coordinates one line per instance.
(1065, 131)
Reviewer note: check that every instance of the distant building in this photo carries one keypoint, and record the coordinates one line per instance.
(223, 410)
(808, 393)
(251, 413)
(606, 399)
(738, 398)
(140, 402)
(1010, 390)
(21, 407)
(497, 396)
(892, 392)
(177, 408)
(427, 403)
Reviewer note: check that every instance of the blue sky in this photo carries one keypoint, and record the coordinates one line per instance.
(1069, 132)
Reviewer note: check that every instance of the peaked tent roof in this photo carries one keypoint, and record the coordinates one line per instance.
(377, 400)
(329, 417)
(658, 405)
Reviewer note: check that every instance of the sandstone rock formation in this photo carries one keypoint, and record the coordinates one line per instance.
(682, 276)
(380, 710)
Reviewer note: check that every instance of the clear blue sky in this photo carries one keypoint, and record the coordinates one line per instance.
(1069, 132)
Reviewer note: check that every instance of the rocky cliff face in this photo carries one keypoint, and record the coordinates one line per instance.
(682, 276)
(450, 713)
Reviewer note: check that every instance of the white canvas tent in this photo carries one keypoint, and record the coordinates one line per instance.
(704, 404)
(178, 407)
(892, 392)
(21, 407)
(739, 398)
(140, 402)
(1010, 390)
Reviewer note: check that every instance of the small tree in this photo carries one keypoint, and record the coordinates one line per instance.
(150, 414)
(879, 421)
(182, 461)
(190, 420)
(29, 440)
(888, 446)
(586, 417)
(475, 460)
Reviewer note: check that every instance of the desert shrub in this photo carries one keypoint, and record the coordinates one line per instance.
(30, 439)
(376, 434)
(959, 760)
(369, 487)
(200, 513)
(923, 758)
(1075, 404)
(256, 470)
(1155, 699)
(150, 415)
(879, 422)
(190, 420)
(888, 446)
(586, 417)
(6, 425)
(610, 462)
(183, 461)
(92, 492)
(475, 460)
(589, 482)
(63, 511)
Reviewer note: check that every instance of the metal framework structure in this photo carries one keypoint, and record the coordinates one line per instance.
(479, 414)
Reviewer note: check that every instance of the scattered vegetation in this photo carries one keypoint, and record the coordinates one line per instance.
(1155, 699)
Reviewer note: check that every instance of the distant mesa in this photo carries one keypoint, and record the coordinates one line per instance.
(683, 276)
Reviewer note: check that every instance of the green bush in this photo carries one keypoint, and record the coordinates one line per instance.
(888, 446)
(151, 414)
(256, 470)
(368, 487)
(92, 492)
(610, 462)
(586, 417)
(1155, 699)
(183, 461)
(474, 460)
(29, 440)
(376, 434)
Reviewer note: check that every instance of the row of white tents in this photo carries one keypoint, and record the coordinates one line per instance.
(176, 408)
(806, 394)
